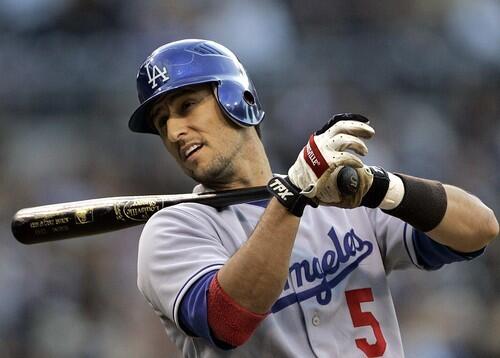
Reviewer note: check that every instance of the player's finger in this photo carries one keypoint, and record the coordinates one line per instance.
(347, 159)
(355, 128)
(343, 142)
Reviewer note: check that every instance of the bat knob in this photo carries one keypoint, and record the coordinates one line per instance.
(348, 181)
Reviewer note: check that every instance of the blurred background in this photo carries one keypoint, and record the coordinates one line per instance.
(426, 72)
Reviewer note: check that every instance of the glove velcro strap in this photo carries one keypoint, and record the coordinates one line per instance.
(378, 189)
(289, 195)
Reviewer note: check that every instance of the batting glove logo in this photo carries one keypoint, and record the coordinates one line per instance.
(280, 189)
(314, 158)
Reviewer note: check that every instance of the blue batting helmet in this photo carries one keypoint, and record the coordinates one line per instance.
(188, 62)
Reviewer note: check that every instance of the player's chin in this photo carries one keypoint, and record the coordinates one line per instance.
(194, 166)
(196, 171)
(211, 174)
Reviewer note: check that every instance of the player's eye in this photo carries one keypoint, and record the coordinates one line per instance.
(187, 105)
(161, 122)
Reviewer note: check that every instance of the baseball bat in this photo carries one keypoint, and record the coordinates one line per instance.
(88, 217)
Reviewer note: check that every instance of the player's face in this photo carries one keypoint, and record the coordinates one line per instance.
(194, 130)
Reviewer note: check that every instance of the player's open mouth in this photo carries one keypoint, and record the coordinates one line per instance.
(191, 150)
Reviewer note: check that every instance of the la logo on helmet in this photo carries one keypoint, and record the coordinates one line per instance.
(155, 73)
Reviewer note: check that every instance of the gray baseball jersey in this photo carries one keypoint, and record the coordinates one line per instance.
(336, 301)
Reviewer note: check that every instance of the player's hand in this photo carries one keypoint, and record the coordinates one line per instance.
(318, 164)
(329, 194)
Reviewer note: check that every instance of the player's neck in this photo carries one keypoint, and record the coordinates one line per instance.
(256, 170)
(252, 169)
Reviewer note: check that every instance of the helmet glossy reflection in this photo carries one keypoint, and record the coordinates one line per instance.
(189, 62)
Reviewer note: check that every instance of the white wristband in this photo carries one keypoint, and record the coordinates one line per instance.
(394, 194)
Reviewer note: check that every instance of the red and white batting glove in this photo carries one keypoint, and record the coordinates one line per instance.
(318, 164)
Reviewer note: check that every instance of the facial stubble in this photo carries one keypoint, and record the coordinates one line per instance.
(221, 169)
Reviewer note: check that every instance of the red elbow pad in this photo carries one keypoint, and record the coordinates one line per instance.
(230, 322)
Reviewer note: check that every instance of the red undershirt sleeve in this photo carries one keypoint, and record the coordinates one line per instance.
(230, 322)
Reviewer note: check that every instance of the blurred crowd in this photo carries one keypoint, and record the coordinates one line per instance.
(427, 73)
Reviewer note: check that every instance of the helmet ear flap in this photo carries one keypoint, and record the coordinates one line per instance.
(249, 97)
(239, 103)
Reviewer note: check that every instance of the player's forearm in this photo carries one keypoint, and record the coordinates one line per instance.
(447, 214)
(255, 276)
(468, 225)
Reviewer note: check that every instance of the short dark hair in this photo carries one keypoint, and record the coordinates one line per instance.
(257, 129)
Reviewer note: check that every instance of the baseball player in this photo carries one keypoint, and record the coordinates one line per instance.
(304, 273)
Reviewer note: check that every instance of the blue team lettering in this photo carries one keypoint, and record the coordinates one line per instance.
(328, 270)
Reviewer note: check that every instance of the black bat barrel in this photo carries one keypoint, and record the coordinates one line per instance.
(89, 217)
(96, 216)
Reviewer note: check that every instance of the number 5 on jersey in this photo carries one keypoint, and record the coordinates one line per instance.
(360, 319)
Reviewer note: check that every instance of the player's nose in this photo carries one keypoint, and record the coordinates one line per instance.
(176, 128)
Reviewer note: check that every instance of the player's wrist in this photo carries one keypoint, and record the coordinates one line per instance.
(420, 202)
(386, 191)
(395, 193)
(289, 195)
(423, 204)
